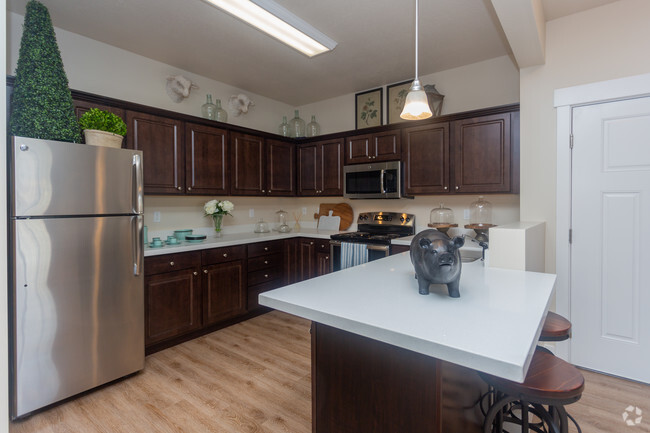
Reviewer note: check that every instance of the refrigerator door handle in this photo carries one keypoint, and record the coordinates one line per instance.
(137, 225)
(138, 200)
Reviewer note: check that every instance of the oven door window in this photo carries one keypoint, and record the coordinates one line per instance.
(363, 182)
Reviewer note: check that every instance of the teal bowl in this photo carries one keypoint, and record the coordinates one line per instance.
(180, 234)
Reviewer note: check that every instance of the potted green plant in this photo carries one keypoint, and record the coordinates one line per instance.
(102, 128)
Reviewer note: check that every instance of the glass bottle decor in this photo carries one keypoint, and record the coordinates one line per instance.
(297, 126)
(209, 110)
(313, 128)
(283, 130)
(222, 115)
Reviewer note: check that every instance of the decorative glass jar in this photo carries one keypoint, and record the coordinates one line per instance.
(209, 110)
(297, 126)
(480, 212)
(222, 115)
(283, 130)
(313, 128)
(441, 215)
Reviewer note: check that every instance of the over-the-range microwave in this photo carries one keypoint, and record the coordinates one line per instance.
(376, 180)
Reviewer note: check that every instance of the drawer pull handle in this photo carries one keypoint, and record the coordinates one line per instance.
(266, 262)
(266, 248)
(457, 188)
(195, 273)
(266, 275)
(225, 254)
(205, 271)
(171, 263)
(311, 243)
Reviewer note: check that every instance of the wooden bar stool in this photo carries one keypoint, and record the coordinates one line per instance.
(550, 382)
(555, 328)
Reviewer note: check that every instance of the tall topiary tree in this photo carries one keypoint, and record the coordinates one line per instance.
(42, 104)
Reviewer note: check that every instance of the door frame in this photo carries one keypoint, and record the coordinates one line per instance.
(564, 101)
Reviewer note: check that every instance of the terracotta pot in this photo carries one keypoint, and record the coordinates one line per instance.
(95, 137)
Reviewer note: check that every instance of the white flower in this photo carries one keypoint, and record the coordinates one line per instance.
(227, 206)
(210, 207)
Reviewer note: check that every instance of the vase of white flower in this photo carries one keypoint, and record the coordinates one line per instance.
(217, 209)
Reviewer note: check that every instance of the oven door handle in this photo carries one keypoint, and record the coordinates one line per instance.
(375, 247)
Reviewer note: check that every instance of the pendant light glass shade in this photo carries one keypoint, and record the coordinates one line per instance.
(416, 106)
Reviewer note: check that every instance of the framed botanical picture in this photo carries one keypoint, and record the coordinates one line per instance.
(369, 108)
(395, 97)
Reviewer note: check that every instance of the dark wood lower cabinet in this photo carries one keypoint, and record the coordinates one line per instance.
(224, 291)
(363, 385)
(172, 304)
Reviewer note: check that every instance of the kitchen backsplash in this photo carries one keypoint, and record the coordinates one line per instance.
(187, 212)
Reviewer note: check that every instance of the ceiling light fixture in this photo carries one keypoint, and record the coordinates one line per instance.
(416, 106)
(278, 22)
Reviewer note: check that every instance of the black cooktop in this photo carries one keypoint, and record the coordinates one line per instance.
(379, 228)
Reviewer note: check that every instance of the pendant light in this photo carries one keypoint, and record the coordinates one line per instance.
(416, 106)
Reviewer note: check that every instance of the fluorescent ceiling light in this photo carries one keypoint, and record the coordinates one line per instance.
(278, 22)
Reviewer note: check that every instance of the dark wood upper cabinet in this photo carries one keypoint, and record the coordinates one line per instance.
(330, 168)
(247, 159)
(206, 160)
(383, 146)
(161, 142)
(426, 159)
(307, 163)
(280, 168)
(482, 152)
(320, 169)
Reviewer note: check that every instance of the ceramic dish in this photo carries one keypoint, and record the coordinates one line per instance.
(151, 245)
(195, 237)
(194, 241)
(173, 243)
(180, 234)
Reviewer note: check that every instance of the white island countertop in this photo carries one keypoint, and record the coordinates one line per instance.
(493, 327)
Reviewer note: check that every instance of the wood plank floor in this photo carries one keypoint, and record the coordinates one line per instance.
(255, 377)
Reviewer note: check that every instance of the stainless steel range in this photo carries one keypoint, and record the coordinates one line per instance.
(372, 241)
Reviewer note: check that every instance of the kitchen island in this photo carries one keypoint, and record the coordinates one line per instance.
(387, 359)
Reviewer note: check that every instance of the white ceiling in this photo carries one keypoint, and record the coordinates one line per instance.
(375, 40)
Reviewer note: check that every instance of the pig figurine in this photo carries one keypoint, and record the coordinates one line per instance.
(436, 260)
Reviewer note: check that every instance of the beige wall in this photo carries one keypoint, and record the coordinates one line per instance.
(611, 41)
(187, 212)
(95, 67)
(484, 84)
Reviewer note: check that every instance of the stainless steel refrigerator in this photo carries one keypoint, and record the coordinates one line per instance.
(77, 298)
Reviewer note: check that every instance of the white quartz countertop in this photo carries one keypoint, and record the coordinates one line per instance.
(235, 239)
(493, 327)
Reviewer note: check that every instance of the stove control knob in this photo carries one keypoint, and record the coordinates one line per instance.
(408, 219)
(401, 219)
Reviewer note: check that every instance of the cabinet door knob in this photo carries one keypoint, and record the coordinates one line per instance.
(205, 271)
(263, 191)
(269, 191)
(225, 254)
(327, 257)
(195, 273)
(457, 188)
(446, 188)
(266, 248)
(180, 188)
(189, 188)
(171, 263)
(266, 262)
(311, 243)
(266, 275)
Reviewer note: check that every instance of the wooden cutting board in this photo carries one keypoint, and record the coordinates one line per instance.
(342, 210)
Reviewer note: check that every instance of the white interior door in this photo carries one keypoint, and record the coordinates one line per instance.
(610, 259)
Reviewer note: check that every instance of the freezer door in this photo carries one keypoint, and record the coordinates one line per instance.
(52, 178)
(77, 307)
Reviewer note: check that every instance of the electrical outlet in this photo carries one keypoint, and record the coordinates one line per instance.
(156, 217)
(466, 214)
(251, 213)
(304, 211)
